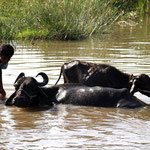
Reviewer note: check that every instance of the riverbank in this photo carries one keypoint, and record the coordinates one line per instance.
(59, 20)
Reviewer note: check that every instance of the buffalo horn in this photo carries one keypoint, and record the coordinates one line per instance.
(45, 79)
(19, 76)
(133, 87)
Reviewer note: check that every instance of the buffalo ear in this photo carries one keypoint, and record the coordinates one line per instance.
(8, 101)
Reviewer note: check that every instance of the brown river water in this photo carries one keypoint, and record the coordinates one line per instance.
(70, 127)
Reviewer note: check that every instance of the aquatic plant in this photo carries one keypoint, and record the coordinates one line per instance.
(130, 5)
(56, 19)
(143, 5)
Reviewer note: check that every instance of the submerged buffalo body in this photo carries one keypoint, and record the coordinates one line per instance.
(29, 94)
(92, 74)
(95, 96)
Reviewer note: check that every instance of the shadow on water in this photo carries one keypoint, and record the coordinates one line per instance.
(76, 127)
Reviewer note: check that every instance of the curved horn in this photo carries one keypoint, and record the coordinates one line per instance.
(19, 76)
(59, 77)
(45, 79)
(133, 88)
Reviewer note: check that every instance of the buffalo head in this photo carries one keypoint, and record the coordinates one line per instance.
(141, 83)
(28, 92)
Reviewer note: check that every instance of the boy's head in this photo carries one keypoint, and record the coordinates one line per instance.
(6, 52)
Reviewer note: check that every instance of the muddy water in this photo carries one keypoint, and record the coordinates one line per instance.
(76, 127)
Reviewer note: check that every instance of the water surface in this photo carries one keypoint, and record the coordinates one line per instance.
(78, 127)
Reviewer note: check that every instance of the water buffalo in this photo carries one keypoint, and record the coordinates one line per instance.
(92, 74)
(29, 86)
(29, 93)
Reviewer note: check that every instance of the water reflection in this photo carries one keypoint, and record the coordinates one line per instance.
(75, 127)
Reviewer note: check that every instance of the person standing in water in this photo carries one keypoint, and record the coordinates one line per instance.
(6, 52)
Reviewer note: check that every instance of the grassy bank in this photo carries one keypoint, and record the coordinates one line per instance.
(56, 19)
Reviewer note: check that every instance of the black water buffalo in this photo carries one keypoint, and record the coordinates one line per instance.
(92, 74)
(28, 86)
(29, 93)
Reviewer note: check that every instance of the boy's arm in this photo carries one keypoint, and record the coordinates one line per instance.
(2, 91)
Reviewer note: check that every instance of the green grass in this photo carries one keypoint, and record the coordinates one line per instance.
(56, 19)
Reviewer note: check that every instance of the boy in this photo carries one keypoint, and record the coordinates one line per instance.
(6, 52)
